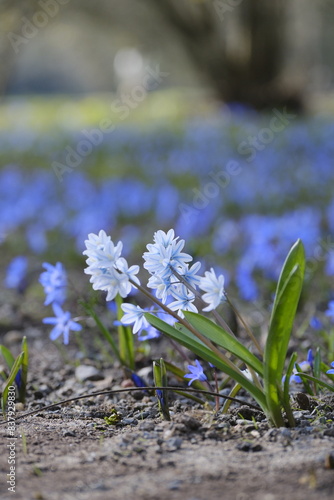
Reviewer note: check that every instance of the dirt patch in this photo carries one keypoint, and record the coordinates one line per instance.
(72, 452)
(68, 457)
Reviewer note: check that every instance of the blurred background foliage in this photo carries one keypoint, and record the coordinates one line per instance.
(126, 116)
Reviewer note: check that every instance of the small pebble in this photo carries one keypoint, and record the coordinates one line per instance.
(247, 446)
(69, 433)
(87, 372)
(174, 485)
(173, 444)
(329, 461)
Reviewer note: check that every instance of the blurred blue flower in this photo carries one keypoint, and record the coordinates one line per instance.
(16, 273)
(54, 281)
(331, 371)
(330, 310)
(196, 373)
(315, 323)
(148, 333)
(137, 380)
(63, 324)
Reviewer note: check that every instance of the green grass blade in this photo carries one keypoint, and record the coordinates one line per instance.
(222, 338)
(7, 356)
(105, 332)
(10, 380)
(286, 390)
(188, 340)
(284, 310)
(160, 380)
(316, 380)
(125, 338)
(24, 372)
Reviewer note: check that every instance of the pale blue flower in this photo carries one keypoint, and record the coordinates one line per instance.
(331, 371)
(112, 282)
(148, 333)
(101, 252)
(163, 286)
(165, 253)
(330, 310)
(196, 373)
(109, 271)
(190, 276)
(54, 281)
(184, 301)
(16, 273)
(96, 243)
(315, 323)
(134, 315)
(164, 239)
(305, 366)
(214, 288)
(63, 324)
(122, 266)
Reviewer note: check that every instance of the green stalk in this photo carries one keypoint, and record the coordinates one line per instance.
(125, 338)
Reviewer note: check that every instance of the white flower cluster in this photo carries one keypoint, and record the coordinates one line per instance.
(172, 277)
(109, 271)
(164, 261)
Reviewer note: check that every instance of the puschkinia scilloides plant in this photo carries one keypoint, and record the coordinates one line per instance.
(177, 287)
(17, 373)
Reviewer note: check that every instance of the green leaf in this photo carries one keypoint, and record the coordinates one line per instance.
(191, 342)
(316, 380)
(7, 355)
(24, 371)
(11, 377)
(105, 332)
(160, 380)
(286, 390)
(317, 367)
(283, 314)
(222, 338)
(125, 338)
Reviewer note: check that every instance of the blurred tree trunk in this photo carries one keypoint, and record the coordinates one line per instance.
(237, 45)
(11, 12)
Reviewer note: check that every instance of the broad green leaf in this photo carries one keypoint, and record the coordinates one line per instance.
(10, 380)
(222, 338)
(191, 342)
(284, 310)
(7, 355)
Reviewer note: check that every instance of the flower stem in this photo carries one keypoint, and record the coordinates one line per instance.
(217, 316)
(248, 330)
(187, 325)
